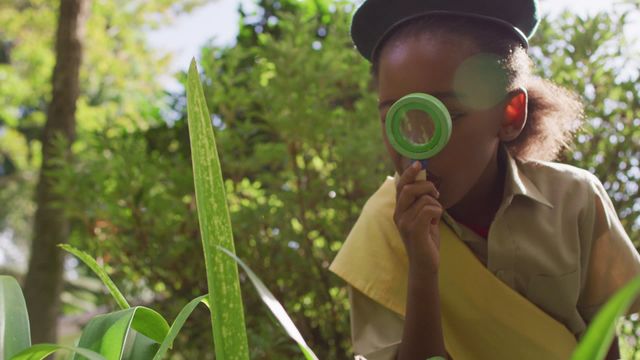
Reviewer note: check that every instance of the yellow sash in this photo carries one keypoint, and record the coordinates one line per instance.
(482, 317)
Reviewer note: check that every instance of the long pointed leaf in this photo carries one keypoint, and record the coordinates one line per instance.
(117, 335)
(276, 308)
(596, 341)
(99, 271)
(14, 319)
(227, 316)
(177, 325)
(41, 351)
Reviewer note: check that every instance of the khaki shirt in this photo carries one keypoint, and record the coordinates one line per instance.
(556, 239)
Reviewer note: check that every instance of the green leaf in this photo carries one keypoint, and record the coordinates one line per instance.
(177, 325)
(596, 341)
(41, 351)
(276, 308)
(14, 319)
(143, 347)
(99, 271)
(125, 334)
(227, 315)
(151, 324)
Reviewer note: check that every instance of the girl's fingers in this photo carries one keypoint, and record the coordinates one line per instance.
(411, 192)
(428, 215)
(434, 231)
(408, 176)
(413, 211)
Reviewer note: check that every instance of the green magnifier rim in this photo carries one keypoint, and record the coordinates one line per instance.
(441, 121)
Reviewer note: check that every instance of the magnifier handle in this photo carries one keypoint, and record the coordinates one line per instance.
(422, 175)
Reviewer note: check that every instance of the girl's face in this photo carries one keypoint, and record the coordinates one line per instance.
(428, 64)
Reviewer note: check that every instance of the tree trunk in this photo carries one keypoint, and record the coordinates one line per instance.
(44, 280)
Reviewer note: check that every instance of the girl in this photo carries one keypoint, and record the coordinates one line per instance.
(543, 246)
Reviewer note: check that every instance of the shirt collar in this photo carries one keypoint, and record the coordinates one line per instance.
(517, 183)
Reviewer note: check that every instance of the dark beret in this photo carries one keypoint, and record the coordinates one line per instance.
(375, 19)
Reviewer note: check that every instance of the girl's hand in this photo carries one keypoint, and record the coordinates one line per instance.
(417, 216)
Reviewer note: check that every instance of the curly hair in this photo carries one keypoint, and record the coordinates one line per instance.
(554, 113)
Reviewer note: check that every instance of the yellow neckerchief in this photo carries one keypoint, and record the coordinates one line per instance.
(482, 317)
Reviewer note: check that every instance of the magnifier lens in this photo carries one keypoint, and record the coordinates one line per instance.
(417, 127)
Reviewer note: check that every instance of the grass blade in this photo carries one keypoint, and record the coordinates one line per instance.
(227, 316)
(99, 271)
(177, 326)
(596, 341)
(41, 351)
(14, 319)
(276, 308)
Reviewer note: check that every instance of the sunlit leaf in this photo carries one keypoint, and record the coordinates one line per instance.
(227, 315)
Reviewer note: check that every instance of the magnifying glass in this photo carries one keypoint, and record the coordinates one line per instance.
(418, 126)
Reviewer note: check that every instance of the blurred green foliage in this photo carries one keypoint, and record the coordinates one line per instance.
(118, 80)
(301, 149)
(595, 58)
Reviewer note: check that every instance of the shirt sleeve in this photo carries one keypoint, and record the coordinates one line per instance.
(613, 259)
(376, 332)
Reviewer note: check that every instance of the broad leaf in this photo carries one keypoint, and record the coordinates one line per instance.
(142, 347)
(14, 320)
(151, 324)
(125, 333)
(41, 351)
(227, 315)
